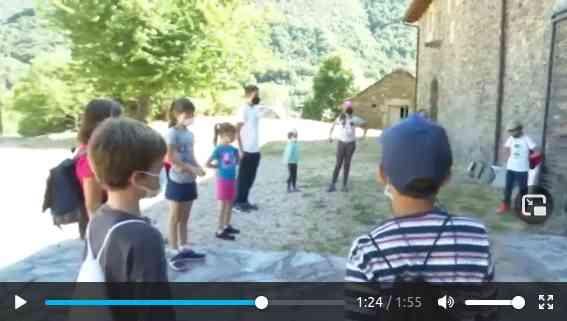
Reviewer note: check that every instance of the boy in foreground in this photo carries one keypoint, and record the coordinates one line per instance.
(126, 157)
(420, 241)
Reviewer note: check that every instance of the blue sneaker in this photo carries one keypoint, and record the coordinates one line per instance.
(240, 208)
(188, 255)
(231, 230)
(252, 207)
(179, 265)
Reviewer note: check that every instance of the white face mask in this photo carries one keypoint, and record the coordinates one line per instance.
(388, 192)
(187, 122)
(150, 193)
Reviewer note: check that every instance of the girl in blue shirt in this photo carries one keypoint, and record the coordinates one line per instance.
(225, 159)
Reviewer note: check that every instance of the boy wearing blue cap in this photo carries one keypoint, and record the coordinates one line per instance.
(421, 241)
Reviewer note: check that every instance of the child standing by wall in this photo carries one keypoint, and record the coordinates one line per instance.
(181, 188)
(519, 147)
(291, 158)
(225, 159)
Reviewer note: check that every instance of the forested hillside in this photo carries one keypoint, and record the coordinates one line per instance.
(367, 34)
(22, 38)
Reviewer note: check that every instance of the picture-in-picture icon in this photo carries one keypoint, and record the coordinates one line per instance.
(534, 205)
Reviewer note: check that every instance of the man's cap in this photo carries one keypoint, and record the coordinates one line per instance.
(416, 156)
(347, 104)
(513, 124)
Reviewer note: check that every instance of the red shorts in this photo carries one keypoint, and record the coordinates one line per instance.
(226, 189)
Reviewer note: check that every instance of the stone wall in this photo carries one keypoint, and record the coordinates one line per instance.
(527, 55)
(465, 61)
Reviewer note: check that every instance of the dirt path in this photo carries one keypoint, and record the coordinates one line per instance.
(312, 220)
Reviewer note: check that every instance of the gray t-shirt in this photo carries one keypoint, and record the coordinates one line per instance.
(135, 253)
(183, 143)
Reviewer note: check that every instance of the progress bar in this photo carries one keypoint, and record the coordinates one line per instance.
(260, 302)
(98, 303)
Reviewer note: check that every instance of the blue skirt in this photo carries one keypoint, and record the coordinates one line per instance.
(181, 192)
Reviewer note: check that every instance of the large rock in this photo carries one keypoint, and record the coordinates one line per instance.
(522, 257)
(61, 262)
(519, 257)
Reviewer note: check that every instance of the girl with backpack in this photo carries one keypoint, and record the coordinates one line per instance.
(95, 113)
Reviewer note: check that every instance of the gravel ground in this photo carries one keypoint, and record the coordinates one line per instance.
(25, 162)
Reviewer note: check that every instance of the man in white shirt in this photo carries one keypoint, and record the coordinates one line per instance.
(249, 143)
(519, 147)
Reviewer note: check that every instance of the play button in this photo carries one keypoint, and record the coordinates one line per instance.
(19, 302)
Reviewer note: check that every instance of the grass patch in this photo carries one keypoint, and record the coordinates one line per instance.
(273, 149)
(478, 201)
(347, 216)
(333, 220)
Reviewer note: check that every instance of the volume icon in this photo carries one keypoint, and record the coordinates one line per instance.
(446, 302)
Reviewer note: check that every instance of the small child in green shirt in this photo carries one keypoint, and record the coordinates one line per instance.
(291, 158)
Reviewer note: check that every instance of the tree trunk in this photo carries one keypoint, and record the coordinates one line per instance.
(139, 108)
(216, 104)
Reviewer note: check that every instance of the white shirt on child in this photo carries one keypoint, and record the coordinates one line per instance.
(520, 147)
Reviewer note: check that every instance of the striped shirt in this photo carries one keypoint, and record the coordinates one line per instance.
(462, 253)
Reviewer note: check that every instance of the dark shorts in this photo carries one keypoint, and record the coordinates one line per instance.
(185, 192)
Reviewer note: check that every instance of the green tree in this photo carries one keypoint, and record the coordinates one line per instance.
(139, 49)
(331, 86)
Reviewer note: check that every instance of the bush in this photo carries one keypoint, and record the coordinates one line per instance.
(50, 97)
(35, 125)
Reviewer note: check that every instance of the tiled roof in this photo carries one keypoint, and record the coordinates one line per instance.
(397, 71)
(416, 10)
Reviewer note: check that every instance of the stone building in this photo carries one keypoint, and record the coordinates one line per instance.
(386, 101)
(483, 63)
